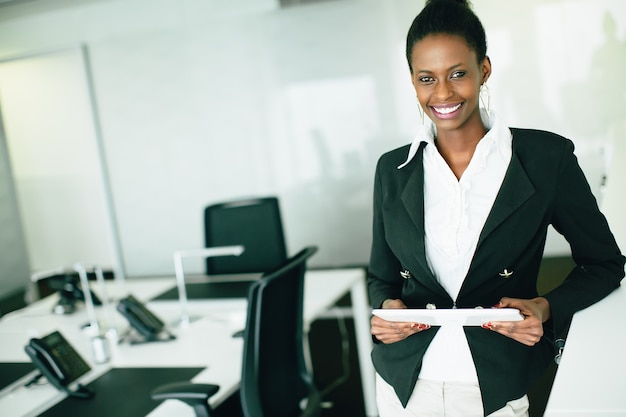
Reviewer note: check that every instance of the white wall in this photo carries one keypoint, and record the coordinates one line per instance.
(205, 101)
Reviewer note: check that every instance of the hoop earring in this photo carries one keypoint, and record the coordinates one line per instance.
(421, 111)
(485, 98)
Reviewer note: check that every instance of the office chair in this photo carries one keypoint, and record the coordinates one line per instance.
(275, 380)
(253, 223)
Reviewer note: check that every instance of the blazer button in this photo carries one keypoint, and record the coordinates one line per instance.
(506, 273)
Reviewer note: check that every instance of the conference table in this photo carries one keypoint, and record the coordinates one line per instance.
(206, 342)
(591, 377)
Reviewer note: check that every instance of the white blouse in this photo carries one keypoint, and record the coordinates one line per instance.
(455, 212)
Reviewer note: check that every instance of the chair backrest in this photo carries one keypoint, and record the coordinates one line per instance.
(254, 223)
(275, 378)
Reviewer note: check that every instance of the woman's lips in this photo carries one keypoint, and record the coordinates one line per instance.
(446, 112)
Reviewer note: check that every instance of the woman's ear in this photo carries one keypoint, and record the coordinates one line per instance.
(486, 69)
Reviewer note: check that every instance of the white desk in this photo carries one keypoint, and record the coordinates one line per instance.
(206, 342)
(591, 378)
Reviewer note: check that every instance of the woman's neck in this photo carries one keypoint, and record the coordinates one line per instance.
(457, 146)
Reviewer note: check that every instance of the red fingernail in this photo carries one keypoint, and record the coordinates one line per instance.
(487, 326)
(414, 325)
(498, 305)
(423, 326)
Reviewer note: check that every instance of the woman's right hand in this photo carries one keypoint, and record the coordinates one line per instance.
(393, 331)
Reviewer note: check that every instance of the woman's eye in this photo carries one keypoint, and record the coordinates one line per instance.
(458, 74)
(426, 80)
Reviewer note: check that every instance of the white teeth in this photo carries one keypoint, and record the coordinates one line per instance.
(447, 110)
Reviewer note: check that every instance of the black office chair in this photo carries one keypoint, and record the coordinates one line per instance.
(255, 224)
(275, 381)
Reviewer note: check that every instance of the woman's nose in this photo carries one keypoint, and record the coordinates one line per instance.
(443, 90)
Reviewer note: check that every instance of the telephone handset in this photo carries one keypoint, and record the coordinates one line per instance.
(57, 360)
(144, 321)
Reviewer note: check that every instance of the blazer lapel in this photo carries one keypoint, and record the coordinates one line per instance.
(516, 189)
(412, 196)
(413, 201)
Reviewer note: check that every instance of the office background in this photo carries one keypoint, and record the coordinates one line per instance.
(122, 119)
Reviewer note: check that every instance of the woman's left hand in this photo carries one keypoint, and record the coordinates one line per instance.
(529, 330)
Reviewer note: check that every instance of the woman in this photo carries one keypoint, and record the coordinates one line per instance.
(460, 221)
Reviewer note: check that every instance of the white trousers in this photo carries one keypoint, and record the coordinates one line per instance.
(441, 399)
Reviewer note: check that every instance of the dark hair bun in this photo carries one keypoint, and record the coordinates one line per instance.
(466, 3)
(453, 17)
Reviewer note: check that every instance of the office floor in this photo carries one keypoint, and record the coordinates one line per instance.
(336, 368)
(337, 374)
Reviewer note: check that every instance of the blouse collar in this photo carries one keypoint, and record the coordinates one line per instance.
(496, 131)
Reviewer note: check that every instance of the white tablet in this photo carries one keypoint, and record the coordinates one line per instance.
(441, 317)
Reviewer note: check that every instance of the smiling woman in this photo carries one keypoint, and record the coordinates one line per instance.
(466, 185)
(447, 77)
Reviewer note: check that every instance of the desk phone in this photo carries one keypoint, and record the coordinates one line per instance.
(57, 360)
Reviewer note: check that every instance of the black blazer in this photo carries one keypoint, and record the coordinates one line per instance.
(543, 185)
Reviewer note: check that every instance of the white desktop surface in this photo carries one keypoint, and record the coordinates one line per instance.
(591, 377)
(206, 342)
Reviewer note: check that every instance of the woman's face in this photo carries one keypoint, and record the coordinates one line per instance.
(447, 78)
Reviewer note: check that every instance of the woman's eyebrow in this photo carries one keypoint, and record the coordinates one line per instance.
(453, 67)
